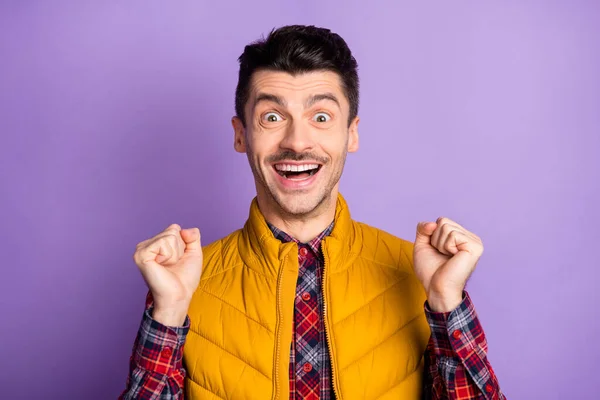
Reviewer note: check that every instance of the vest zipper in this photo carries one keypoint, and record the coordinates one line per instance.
(277, 390)
(325, 324)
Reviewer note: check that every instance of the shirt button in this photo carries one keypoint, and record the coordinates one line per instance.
(489, 388)
(167, 352)
(303, 251)
(306, 296)
(456, 334)
(307, 367)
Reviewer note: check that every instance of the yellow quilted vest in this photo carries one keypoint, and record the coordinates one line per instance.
(241, 315)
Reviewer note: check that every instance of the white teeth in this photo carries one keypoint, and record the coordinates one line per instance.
(295, 168)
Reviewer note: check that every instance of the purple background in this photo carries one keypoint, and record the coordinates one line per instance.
(115, 116)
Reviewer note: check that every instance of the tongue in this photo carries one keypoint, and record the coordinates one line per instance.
(297, 176)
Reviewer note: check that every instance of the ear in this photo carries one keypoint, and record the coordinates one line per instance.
(239, 135)
(353, 135)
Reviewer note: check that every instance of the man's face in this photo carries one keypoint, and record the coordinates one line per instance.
(296, 138)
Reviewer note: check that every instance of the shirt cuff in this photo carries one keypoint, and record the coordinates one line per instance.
(457, 332)
(159, 347)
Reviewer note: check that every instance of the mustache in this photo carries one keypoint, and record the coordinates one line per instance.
(288, 155)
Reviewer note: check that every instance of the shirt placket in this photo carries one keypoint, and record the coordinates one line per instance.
(307, 368)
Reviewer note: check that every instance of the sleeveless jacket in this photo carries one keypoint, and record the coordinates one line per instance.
(238, 346)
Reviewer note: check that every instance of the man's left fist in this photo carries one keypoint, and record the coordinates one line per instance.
(445, 256)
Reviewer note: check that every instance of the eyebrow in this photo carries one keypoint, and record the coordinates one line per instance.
(320, 97)
(267, 97)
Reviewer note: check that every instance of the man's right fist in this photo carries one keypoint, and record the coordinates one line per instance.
(171, 264)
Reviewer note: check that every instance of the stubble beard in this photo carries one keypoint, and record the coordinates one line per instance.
(301, 206)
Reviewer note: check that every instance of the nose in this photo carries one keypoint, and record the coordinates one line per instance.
(297, 138)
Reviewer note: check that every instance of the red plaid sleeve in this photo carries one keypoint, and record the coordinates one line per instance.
(456, 364)
(156, 366)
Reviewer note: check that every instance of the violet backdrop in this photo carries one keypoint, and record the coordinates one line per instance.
(115, 122)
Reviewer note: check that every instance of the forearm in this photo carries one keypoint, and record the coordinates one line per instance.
(156, 364)
(456, 363)
(174, 317)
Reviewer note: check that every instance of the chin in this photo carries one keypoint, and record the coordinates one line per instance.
(298, 204)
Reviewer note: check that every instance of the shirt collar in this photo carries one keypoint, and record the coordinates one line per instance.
(314, 244)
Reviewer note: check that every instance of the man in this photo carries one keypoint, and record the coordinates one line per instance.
(304, 302)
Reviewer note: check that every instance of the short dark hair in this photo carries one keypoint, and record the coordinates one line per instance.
(298, 49)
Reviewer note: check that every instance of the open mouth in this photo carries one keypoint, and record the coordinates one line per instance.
(297, 172)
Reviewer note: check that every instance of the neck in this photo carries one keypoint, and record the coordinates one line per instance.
(301, 227)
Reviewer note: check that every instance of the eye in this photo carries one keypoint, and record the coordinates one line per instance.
(322, 117)
(272, 117)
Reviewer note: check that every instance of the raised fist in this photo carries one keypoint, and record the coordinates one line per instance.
(171, 264)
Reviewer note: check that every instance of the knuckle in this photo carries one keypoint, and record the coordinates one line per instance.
(172, 240)
(138, 257)
(447, 229)
(173, 227)
(166, 245)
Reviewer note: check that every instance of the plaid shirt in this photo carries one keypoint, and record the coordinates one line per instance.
(310, 369)
(456, 364)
